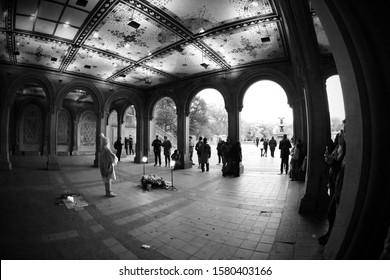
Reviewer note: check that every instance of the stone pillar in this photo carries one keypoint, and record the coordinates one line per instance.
(5, 163)
(75, 148)
(307, 62)
(139, 143)
(183, 133)
(100, 128)
(149, 135)
(300, 124)
(52, 157)
(234, 119)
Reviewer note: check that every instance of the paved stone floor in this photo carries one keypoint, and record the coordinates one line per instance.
(254, 216)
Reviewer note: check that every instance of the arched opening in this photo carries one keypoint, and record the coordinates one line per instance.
(112, 128)
(76, 124)
(336, 104)
(165, 118)
(27, 129)
(130, 130)
(208, 118)
(266, 115)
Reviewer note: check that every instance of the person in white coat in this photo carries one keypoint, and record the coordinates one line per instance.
(107, 163)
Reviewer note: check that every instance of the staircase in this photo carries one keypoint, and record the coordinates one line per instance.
(161, 133)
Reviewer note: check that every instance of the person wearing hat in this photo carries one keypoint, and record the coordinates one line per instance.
(107, 161)
(205, 153)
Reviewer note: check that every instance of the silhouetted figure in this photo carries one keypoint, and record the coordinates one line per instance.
(127, 145)
(236, 158)
(219, 150)
(296, 159)
(176, 158)
(284, 147)
(205, 154)
(157, 150)
(226, 146)
(335, 199)
(265, 145)
(197, 146)
(118, 147)
(131, 151)
(167, 145)
(272, 146)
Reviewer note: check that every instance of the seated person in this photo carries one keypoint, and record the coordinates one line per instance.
(176, 157)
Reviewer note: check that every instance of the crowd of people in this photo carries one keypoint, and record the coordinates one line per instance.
(229, 155)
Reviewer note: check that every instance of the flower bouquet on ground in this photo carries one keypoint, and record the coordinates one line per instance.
(153, 181)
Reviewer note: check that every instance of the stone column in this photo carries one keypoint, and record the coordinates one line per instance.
(183, 132)
(299, 116)
(52, 157)
(101, 117)
(75, 148)
(149, 135)
(234, 119)
(307, 62)
(5, 163)
(139, 143)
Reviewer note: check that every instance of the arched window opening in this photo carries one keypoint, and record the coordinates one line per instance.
(336, 104)
(265, 115)
(165, 117)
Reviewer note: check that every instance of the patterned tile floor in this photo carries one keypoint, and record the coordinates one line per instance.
(254, 216)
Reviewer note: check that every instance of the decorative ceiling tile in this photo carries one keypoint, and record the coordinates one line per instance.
(323, 42)
(144, 77)
(39, 52)
(66, 31)
(73, 16)
(115, 35)
(24, 23)
(27, 7)
(3, 48)
(50, 10)
(203, 15)
(255, 43)
(95, 64)
(181, 64)
(44, 26)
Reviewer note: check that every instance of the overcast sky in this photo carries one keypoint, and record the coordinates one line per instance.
(266, 101)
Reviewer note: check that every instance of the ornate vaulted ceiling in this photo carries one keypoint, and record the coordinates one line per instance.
(143, 43)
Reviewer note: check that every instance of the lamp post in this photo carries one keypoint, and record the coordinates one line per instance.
(144, 160)
(172, 167)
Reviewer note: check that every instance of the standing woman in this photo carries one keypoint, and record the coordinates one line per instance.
(107, 162)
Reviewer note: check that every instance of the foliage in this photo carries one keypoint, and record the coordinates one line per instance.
(198, 117)
(218, 120)
(166, 117)
(336, 124)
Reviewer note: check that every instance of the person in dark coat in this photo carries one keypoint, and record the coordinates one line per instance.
(219, 150)
(226, 147)
(127, 145)
(205, 154)
(167, 151)
(236, 158)
(118, 147)
(157, 150)
(284, 147)
(272, 146)
(265, 145)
